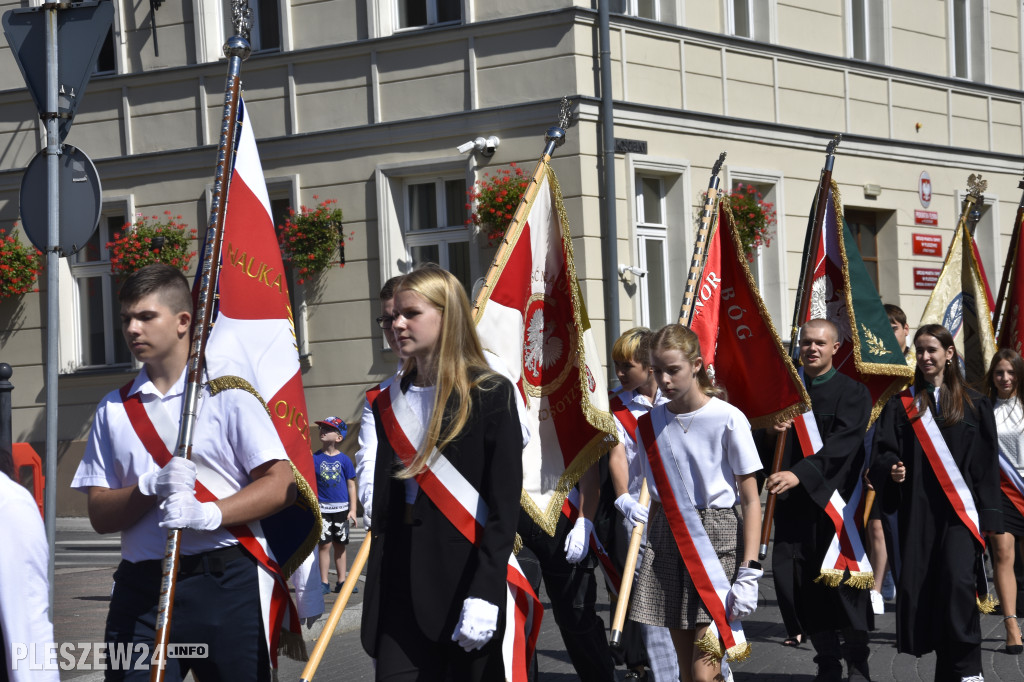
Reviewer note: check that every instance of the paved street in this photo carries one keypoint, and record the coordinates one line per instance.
(86, 562)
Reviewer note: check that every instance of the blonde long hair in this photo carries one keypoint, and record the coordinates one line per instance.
(459, 359)
(678, 337)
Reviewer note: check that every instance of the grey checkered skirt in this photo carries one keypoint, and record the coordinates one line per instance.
(664, 594)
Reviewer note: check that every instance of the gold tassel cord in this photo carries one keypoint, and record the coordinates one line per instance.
(740, 652)
(988, 604)
(292, 645)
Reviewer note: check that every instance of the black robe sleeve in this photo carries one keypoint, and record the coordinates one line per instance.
(500, 488)
(984, 467)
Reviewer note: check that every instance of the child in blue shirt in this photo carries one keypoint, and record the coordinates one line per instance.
(336, 490)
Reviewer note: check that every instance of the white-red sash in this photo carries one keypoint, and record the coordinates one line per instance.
(695, 548)
(571, 510)
(1011, 483)
(275, 600)
(845, 551)
(946, 471)
(625, 417)
(463, 506)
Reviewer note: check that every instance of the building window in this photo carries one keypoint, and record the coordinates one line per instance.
(417, 13)
(651, 249)
(281, 194)
(266, 25)
(99, 339)
(435, 225)
(864, 227)
(106, 60)
(968, 31)
(645, 9)
(867, 30)
(748, 19)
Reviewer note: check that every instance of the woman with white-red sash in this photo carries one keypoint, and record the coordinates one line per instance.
(445, 509)
(699, 572)
(1002, 386)
(937, 468)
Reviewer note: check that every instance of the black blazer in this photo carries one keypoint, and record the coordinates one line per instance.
(445, 568)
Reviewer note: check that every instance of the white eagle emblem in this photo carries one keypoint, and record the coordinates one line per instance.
(543, 349)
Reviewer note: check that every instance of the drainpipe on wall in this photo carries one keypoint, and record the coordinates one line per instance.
(609, 231)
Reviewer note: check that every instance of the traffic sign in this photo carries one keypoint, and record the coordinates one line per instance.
(81, 200)
(81, 29)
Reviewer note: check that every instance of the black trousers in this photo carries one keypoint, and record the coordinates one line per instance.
(573, 593)
(216, 603)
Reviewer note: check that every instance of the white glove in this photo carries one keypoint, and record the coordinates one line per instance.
(366, 517)
(179, 476)
(183, 510)
(742, 599)
(634, 512)
(578, 540)
(477, 623)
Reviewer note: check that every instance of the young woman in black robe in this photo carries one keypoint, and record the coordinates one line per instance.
(936, 607)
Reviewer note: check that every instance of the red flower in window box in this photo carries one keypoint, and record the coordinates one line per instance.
(309, 238)
(496, 201)
(753, 217)
(152, 240)
(19, 267)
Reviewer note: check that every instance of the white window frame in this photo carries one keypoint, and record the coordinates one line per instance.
(978, 40)
(883, 42)
(753, 7)
(770, 262)
(393, 19)
(213, 27)
(392, 181)
(278, 187)
(677, 212)
(70, 343)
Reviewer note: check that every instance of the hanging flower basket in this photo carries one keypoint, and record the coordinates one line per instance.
(496, 200)
(152, 240)
(19, 267)
(753, 217)
(310, 238)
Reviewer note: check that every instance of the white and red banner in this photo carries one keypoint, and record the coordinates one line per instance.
(463, 506)
(695, 548)
(253, 338)
(845, 551)
(531, 315)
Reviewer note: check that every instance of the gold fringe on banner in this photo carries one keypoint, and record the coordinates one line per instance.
(862, 580)
(832, 577)
(712, 646)
(305, 497)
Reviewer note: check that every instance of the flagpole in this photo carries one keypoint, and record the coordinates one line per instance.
(553, 138)
(237, 50)
(815, 222)
(708, 222)
(1010, 264)
(339, 606)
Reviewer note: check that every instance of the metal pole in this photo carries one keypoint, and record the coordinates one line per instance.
(6, 430)
(611, 231)
(52, 309)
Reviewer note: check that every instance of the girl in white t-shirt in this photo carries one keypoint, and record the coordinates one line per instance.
(707, 447)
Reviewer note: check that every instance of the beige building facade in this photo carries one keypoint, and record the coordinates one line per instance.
(365, 101)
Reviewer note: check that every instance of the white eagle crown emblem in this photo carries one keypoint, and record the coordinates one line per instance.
(543, 348)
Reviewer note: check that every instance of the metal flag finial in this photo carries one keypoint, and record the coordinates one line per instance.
(976, 186)
(241, 17)
(565, 112)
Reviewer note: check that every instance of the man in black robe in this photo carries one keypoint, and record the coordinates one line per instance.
(803, 532)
